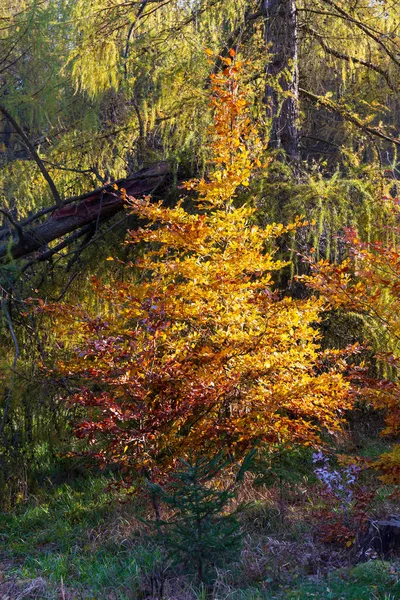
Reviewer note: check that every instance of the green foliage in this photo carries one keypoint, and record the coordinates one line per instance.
(201, 530)
(71, 533)
(331, 201)
(57, 514)
(282, 464)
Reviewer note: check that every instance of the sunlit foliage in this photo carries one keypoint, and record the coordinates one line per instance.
(368, 283)
(199, 353)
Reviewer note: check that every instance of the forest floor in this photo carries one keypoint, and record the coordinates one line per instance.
(75, 541)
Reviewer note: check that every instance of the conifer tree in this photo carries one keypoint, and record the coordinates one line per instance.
(201, 530)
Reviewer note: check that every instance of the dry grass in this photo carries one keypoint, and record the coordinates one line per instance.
(14, 588)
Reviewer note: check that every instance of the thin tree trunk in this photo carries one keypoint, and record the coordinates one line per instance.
(282, 39)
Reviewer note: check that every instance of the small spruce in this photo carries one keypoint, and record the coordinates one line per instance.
(201, 530)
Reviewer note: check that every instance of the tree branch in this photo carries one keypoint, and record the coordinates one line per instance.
(34, 154)
(13, 222)
(80, 211)
(342, 56)
(241, 33)
(52, 251)
(348, 116)
(376, 36)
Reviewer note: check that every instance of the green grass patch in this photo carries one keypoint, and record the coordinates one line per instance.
(77, 535)
(56, 539)
(374, 580)
(57, 520)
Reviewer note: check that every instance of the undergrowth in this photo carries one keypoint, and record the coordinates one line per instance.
(75, 542)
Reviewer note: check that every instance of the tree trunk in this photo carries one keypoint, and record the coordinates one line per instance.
(382, 539)
(282, 38)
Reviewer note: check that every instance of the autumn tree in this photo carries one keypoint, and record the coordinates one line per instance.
(92, 92)
(368, 284)
(194, 351)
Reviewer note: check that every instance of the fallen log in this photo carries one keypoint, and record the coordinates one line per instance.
(77, 213)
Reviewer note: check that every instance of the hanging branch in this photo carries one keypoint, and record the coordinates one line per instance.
(352, 59)
(34, 154)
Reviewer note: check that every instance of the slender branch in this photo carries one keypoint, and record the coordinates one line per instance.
(14, 62)
(139, 118)
(376, 36)
(52, 251)
(70, 169)
(66, 287)
(348, 116)
(84, 244)
(34, 154)
(132, 27)
(13, 222)
(243, 30)
(318, 139)
(95, 237)
(348, 58)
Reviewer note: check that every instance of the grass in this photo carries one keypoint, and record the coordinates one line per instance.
(55, 520)
(73, 535)
(75, 542)
(374, 580)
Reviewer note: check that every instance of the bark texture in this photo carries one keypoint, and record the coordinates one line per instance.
(382, 538)
(282, 38)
